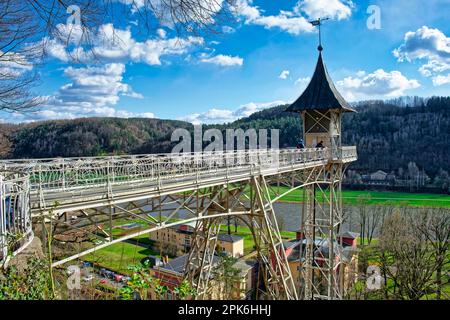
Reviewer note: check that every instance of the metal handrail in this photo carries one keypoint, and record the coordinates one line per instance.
(15, 213)
(72, 173)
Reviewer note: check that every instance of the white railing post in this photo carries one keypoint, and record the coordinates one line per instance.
(41, 189)
(3, 244)
(108, 175)
(158, 169)
(225, 153)
(197, 166)
(63, 165)
(113, 170)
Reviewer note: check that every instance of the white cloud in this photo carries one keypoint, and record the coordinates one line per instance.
(135, 4)
(335, 9)
(285, 21)
(293, 25)
(224, 60)
(92, 92)
(377, 84)
(425, 43)
(430, 45)
(117, 45)
(440, 80)
(13, 65)
(252, 107)
(216, 116)
(245, 9)
(95, 86)
(302, 82)
(168, 12)
(57, 49)
(294, 22)
(433, 67)
(161, 33)
(228, 29)
(284, 74)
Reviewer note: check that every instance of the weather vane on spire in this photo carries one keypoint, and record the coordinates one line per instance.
(318, 23)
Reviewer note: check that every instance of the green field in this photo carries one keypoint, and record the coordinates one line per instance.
(352, 197)
(119, 256)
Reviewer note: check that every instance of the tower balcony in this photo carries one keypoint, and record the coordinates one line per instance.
(344, 154)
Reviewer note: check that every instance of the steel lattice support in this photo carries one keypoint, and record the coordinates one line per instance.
(275, 273)
(322, 218)
(278, 280)
(201, 260)
(201, 257)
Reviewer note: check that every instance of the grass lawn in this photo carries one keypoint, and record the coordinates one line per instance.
(119, 256)
(353, 197)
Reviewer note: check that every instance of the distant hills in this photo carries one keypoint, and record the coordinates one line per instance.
(388, 134)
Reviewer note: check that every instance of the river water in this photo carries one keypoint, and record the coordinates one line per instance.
(289, 215)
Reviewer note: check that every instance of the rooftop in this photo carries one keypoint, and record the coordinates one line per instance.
(191, 224)
(321, 244)
(349, 234)
(228, 237)
(321, 94)
(178, 264)
(244, 265)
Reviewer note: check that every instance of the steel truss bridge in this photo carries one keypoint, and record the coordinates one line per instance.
(210, 188)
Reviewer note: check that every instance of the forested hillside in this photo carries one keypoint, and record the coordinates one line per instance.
(87, 137)
(389, 135)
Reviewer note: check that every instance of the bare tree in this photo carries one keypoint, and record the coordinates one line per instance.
(405, 255)
(27, 27)
(374, 216)
(17, 27)
(363, 212)
(436, 228)
(192, 16)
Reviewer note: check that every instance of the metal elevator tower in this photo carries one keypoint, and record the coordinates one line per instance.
(321, 108)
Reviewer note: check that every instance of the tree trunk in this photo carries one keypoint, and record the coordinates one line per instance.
(438, 281)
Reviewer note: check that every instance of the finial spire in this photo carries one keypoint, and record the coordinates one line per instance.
(318, 23)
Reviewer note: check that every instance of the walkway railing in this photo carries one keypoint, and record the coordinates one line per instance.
(349, 153)
(65, 174)
(15, 213)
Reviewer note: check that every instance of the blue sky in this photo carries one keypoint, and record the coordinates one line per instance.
(264, 57)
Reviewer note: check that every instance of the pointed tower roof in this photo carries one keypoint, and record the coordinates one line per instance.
(321, 94)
